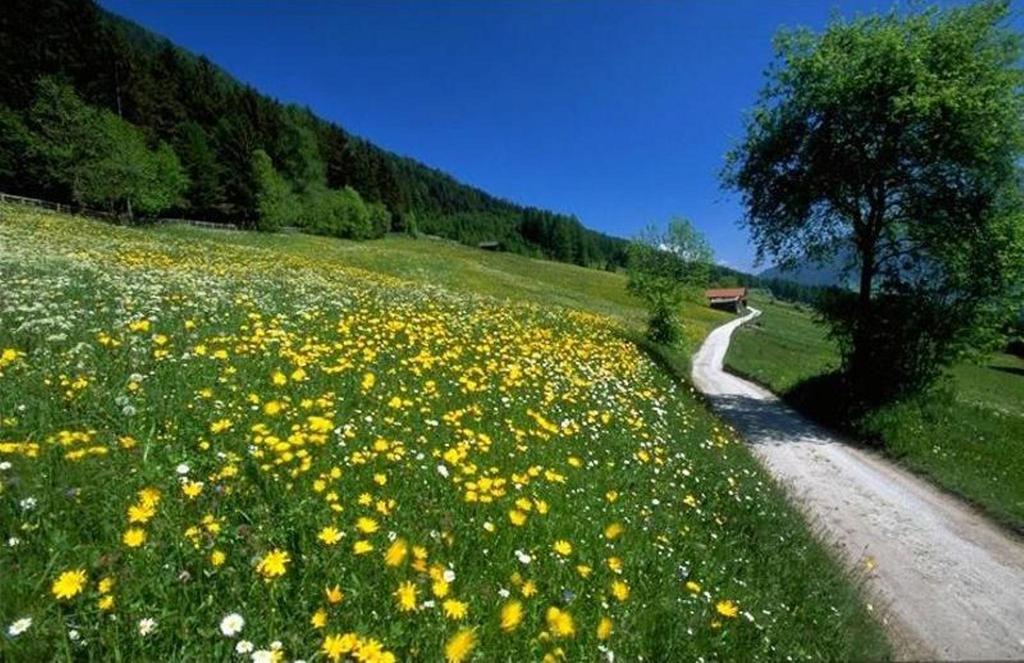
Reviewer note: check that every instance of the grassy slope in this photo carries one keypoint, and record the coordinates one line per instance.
(463, 269)
(741, 540)
(969, 440)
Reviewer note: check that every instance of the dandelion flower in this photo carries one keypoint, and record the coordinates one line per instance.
(329, 536)
(69, 584)
(333, 594)
(620, 590)
(604, 628)
(319, 618)
(362, 547)
(454, 609)
(134, 537)
(140, 513)
(511, 616)
(613, 531)
(562, 547)
(405, 596)
(105, 585)
(459, 646)
(396, 553)
(727, 609)
(440, 588)
(336, 646)
(274, 564)
(366, 525)
(560, 623)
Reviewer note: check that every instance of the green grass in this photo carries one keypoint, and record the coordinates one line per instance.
(967, 436)
(169, 396)
(459, 268)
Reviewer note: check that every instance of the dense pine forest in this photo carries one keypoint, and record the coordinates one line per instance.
(97, 111)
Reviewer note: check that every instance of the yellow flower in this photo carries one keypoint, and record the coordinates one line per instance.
(560, 623)
(620, 590)
(562, 547)
(529, 588)
(615, 564)
(149, 497)
(334, 594)
(692, 586)
(134, 537)
(192, 489)
(271, 408)
(613, 531)
(511, 616)
(220, 425)
(454, 609)
(396, 553)
(604, 628)
(279, 378)
(217, 557)
(439, 588)
(105, 585)
(517, 517)
(727, 609)
(336, 646)
(319, 619)
(69, 584)
(140, 513)
(459, 646)
(106, 602)
(362, 547)
(329, 535)
(274, 564)
(405, 596)
(584, 570)
(367, 525)
(320, 424)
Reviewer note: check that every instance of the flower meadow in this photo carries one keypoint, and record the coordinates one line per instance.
(220, 452)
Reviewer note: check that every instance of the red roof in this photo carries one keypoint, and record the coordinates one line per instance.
(726, 293)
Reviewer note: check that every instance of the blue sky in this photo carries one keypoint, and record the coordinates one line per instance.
(617, 112)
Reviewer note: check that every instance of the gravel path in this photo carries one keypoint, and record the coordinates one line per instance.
(949, 584)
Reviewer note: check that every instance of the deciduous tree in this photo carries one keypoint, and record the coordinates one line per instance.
(894, 139)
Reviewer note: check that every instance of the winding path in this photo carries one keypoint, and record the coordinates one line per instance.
(949, 584)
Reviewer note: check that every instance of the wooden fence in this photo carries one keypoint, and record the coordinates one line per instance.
(106, 216)
(59, 207)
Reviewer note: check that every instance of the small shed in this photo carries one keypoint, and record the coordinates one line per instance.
(727, 299)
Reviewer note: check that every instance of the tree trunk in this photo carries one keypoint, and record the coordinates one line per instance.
(861, 368)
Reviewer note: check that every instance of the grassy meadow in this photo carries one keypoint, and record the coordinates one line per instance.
(967, 436)
(222, 446)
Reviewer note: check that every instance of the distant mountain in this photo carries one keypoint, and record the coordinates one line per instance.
(811, 273)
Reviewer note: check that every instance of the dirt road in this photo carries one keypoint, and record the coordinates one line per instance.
(949, 583)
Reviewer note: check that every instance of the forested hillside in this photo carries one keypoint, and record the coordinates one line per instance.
(96, 110)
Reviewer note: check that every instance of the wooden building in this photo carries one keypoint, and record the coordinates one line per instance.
(727, 299)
